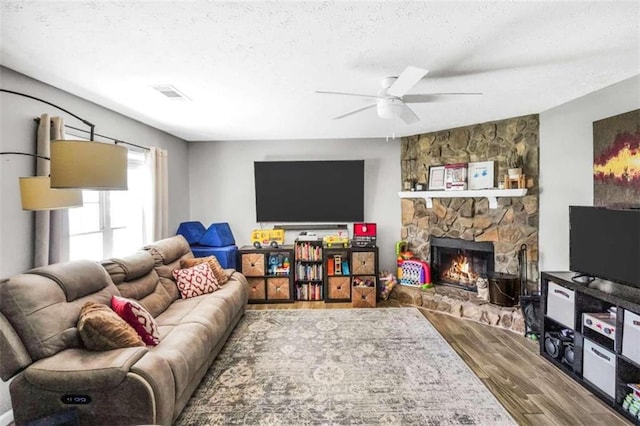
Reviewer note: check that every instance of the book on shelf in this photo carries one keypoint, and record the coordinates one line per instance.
(308, 252)
(309, 291)
(306, 272)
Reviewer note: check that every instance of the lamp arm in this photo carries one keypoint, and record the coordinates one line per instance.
(88, 123)
(24, 153)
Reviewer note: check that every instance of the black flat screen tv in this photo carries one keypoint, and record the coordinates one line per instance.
(309, 191)
(605, 243)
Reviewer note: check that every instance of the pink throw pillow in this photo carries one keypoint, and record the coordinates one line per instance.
(195, 281)
(138, 318)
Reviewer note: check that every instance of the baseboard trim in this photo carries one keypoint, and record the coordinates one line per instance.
(6, 418)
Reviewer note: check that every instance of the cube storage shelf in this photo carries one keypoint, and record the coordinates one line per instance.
(580, 337)
(316, 273)
(268, 271)
(347, 271)
(338, 272)
(309, 273)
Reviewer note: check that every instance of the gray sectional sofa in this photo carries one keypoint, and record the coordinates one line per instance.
(40, 346)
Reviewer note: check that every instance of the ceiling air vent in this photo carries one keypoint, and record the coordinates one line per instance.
(170, 92)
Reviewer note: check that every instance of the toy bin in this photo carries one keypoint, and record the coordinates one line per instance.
(253, 264)
(560, 305)
(599, 367)
(363, 297)
(631, 336)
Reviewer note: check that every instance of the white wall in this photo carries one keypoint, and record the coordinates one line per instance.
(222, 183)
(17, 133)
(566, 163)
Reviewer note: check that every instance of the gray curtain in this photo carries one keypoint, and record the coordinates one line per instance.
(156, 210)
(51, 228)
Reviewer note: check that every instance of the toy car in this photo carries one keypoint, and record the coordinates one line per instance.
(273, 237)
(336, 240)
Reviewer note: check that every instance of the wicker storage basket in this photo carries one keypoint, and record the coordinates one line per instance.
(278, 288)
(339, 288)
(256, 289)
(253, 264)
(364, 297)
(363, 263)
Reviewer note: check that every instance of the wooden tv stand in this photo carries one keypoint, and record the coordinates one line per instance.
(600, 349)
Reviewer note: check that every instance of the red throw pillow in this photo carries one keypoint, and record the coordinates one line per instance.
(195, 281)
(138, 318)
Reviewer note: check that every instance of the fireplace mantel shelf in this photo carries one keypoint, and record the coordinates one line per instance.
(490, 194)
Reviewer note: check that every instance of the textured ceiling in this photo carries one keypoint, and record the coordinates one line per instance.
(251, 69)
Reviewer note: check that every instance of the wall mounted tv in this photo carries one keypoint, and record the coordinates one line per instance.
(605, 243)
(309, 191)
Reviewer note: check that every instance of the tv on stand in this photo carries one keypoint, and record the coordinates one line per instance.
(604, 243)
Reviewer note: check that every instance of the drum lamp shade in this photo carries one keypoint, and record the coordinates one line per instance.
(88, 165)
(36, 194)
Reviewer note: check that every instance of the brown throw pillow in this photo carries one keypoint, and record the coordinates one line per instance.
(215, 266)
(101, 329)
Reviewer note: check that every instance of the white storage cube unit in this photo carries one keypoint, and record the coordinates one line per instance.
(631, 336)
(561, 304)
(599, 367)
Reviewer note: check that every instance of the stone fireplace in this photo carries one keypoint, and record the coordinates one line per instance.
(507, 227)
(460, 263)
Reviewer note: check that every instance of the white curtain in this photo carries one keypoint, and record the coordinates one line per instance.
(51, 227)
(157, 209)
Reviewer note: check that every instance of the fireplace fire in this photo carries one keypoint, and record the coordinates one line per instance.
(459, 271)
(460, 263)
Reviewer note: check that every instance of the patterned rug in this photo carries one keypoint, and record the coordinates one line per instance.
(340, 367)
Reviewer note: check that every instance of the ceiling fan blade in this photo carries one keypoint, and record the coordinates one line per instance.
(347, 94)
(416, 99)
(430, 97)
(456, 93)
(408, 116)
(409, 78)
(354, 111)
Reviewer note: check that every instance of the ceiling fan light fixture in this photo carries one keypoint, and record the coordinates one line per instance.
(390, 108)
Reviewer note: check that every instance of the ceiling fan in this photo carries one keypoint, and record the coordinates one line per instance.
(392, 98)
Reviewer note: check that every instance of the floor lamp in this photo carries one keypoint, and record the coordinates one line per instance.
(75, 165)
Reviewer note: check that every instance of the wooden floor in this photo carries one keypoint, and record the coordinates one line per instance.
(530, 388)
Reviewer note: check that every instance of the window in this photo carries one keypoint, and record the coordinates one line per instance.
(111, 223)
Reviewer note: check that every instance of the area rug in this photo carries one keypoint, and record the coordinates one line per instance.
(340, 367)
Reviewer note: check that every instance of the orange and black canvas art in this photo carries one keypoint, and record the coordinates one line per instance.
(616, 161)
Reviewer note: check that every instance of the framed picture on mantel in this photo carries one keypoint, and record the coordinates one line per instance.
(481, 175)
(436, 178)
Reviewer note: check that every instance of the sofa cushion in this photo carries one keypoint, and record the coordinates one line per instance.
(138, 318)
(167, 254)
(13, 355)
(83, 370)
(220, 274)
(76, 279)
(195, 281)
(218, 235)
(186, 348)
(191, 231)
(101, 329)
(133, 266)
(136, 278)
(37, 305)
(205, 310)
(168, 250)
